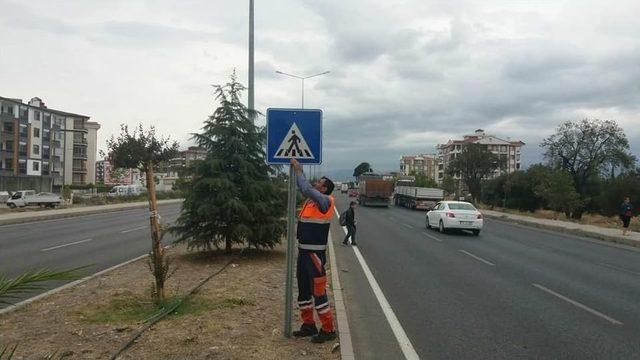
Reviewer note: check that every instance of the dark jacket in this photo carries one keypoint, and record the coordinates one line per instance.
(351, 217)
(626, 209)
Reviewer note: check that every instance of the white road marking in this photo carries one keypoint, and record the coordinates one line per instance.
(575, 303)
(401, 336)
(407, 225)
(68, 244)
(431, 236)
(618, 268)
(68, 217)
(134, 229)
(477, 258)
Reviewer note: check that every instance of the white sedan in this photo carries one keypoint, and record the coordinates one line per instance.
(455, 215)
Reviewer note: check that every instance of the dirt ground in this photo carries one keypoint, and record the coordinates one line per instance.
(236, 315)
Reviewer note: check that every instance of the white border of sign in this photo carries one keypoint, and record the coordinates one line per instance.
(321, 136)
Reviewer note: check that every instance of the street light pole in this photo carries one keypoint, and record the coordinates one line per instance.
(251, 98)
(302, 79)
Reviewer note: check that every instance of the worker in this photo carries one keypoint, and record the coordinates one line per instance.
(312, 233)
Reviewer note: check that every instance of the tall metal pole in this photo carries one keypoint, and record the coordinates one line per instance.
(251, 61)
(291, 223)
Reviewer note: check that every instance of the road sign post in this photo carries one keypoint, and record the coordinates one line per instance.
(293, 134)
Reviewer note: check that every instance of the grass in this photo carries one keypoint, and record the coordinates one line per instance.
(126, 308)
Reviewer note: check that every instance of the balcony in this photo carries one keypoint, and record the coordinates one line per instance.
(80, 156)
(80, 142)
(80, 170)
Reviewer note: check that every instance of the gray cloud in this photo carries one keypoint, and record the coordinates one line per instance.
(404, 75)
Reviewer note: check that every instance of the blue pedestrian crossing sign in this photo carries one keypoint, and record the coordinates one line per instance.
(294, 133)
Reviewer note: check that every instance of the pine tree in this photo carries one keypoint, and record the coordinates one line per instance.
(232, 196)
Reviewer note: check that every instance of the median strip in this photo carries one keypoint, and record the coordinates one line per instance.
(68, 244)
(477, 258)
(575, 303)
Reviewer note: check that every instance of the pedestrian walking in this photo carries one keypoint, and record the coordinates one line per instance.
(313, 233)
(350, 223)
(626, 212)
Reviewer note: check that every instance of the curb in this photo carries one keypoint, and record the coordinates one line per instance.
(21, 304)
(560, 229)
(76, 212)
(346, 347)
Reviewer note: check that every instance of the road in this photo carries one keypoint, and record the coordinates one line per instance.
(514, 292)
(99, 240)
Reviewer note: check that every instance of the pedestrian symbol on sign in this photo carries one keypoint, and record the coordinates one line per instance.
(294, 146)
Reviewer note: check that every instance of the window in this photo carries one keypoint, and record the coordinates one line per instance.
(22, 167)
(8, 127)
(23, 131)
(8, 146)
(22, 150)
(36, 132)
(36, 115)
(461, 206)
(36, 149)
(36, 166)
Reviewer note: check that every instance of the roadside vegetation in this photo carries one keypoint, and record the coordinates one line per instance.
(588, 173)
(232, 197)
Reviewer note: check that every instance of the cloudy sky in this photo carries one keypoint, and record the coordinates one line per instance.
(405, 75)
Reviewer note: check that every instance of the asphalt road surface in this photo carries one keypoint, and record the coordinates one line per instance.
(514, 292)
(99, 241)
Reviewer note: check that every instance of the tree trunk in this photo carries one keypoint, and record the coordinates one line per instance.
(227, 245)
(157, 252)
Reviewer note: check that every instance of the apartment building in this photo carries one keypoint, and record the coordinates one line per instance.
(108, 175)
(39, 141)
(507, 149)
(418, 164)
(186, 157)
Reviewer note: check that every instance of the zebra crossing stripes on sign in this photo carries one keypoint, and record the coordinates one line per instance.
(294, 146)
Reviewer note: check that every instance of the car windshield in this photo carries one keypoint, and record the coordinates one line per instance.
(461, 206)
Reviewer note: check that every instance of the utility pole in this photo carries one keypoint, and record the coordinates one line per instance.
(251, 95)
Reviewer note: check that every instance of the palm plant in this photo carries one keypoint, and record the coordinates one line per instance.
(31, 280)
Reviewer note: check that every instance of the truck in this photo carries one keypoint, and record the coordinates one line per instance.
(344, 188)
(414, 197)
(374, 190)
(24, 198)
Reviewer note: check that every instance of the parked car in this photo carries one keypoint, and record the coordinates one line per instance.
(30, 198)
(455, 215)
(353, 193)
(344, 188)
(4, 196)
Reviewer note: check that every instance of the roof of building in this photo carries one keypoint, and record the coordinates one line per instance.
(46, 109)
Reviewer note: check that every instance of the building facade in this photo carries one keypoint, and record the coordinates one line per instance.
(418, 164)
(507, 149)
(186, 157)
(109, 175)
(37, 141)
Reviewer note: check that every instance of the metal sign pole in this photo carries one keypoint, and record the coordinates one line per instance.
(291, 222)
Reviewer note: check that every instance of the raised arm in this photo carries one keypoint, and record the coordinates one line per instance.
(308, 190)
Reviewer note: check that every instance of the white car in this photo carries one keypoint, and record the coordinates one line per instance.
(455, 215)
